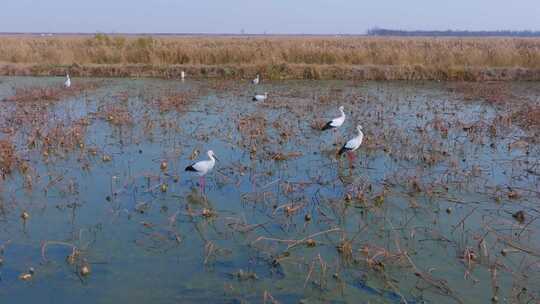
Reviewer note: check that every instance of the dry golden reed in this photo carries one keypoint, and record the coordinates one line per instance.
(276, 57)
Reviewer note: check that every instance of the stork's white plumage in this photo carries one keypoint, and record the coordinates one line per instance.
(353, 144)
(336, 122)
(260, 97)
(256, 80)
(67, 83)
(203, 167)
(182, 75)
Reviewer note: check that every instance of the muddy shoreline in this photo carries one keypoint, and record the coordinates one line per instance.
(277, 72)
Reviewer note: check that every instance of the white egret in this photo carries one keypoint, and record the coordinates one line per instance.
(67, 83)
(256, 80)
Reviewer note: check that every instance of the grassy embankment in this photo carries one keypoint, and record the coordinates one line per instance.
(360, 58)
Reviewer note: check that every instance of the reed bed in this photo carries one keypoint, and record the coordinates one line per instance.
(363, 58)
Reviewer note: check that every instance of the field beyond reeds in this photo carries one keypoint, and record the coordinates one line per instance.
(355, 58)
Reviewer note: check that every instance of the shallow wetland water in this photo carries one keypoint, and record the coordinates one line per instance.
(441, 204)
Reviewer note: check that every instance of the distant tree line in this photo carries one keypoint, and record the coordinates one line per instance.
(452, 33)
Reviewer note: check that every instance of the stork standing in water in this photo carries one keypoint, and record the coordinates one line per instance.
(256, 80)
(182, 75)
(67, 83)
(352, 145)
(202, 168)
(259, 97)
(335, 123)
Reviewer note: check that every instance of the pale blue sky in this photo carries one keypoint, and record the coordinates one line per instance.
(258, 16)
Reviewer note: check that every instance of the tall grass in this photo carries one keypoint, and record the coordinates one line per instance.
(450, 55)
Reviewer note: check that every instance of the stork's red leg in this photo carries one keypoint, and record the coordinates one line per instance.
(204, 184)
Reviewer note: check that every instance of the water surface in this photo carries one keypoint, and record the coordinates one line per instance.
(422, 215)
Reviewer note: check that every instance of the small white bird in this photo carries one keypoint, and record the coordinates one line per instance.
(336, 122)
(182, 75)
(203, 167)
(256, 80)
(67, 83)
(353, 144)
(259, 97)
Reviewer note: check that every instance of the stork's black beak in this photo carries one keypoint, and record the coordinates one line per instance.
(216, 157)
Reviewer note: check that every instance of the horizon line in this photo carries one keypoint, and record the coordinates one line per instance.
(179, 34)
(367, 33)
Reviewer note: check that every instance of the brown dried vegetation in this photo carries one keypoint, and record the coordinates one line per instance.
(363, 58)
